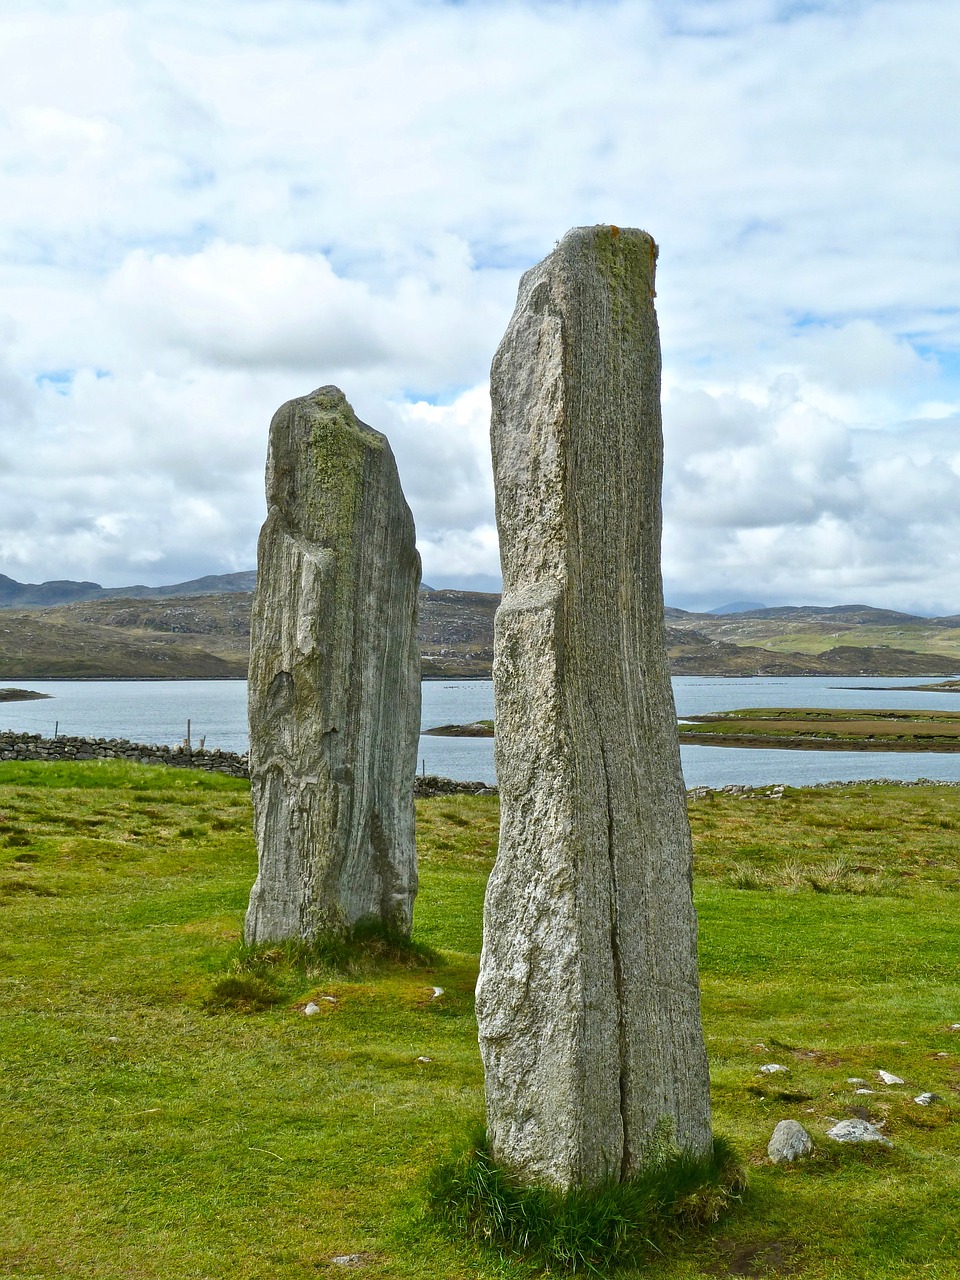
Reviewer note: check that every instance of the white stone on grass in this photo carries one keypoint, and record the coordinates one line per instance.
(857, 1131)
(925, 1099)
(771, 1068)
(888, 1078)
(790, 1141)
(311, 1009)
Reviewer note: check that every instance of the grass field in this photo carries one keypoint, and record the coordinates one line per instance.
(146, 1133)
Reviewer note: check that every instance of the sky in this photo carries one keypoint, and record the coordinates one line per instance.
(209, 209)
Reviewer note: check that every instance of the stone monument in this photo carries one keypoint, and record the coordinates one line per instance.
(588, 999)
(334, 686)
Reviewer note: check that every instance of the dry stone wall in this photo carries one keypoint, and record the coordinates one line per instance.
(31, 746)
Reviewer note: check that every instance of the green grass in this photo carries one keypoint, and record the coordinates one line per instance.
(148, 1130)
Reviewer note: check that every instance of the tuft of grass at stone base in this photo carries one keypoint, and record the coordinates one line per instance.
(592, 1229)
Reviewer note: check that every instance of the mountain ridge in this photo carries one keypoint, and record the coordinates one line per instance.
(166, 636)
(43, 595)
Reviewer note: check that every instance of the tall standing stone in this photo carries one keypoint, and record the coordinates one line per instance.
(334, 687)
(588, 999)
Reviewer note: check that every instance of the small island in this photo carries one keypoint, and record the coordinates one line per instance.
(20, 695)
(824, 729)
(478, 729)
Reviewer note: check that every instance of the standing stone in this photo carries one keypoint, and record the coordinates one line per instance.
(588, 999)
(334, 687)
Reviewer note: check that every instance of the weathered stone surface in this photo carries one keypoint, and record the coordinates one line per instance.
(334, 695)
(857, 1131)
(588, 999)
(790, 1141)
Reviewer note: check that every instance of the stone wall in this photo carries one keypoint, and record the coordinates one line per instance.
(31, 746)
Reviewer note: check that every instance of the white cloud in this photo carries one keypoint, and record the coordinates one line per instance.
(210, 209)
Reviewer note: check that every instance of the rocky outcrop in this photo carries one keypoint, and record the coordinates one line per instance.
(334, 679)
(588, 999)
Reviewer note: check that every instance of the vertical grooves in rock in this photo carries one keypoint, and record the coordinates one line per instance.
(618, 977)
(588, 1000)
(334, 688)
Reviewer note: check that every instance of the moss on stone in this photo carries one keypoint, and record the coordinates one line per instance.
(627, 261)
(338, 452)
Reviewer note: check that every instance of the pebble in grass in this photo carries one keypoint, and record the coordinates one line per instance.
(889, 1078)
(857, 1131)
(771, 1068)
(790, 1141)
(925, 1099)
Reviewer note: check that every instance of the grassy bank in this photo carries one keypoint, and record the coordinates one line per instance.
(822, 729)
(147, 1133)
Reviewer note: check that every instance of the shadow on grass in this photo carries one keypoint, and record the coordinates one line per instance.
(585, 1229)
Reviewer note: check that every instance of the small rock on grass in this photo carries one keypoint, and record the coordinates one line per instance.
(790, 1142)
(855, 1080)
(925, 1099)
(311, 1009)
(857, 1131)
(771, 1068)
(888, 1078)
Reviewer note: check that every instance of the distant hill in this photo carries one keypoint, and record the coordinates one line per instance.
(740, 606)
(856, 613)
(175, 633)
(48, 594)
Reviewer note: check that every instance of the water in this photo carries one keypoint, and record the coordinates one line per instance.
(150, 711)
(157, 711)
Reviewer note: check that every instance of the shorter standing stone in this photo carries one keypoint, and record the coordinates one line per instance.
(334, 688)
(790, 1142)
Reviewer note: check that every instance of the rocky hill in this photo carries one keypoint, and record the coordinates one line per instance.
(190, 635)
(45, 594)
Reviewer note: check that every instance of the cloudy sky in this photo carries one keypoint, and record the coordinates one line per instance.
(209, 208)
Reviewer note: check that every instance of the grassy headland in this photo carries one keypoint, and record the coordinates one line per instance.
(153, 1127)
(823, 729)
(20, 695)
